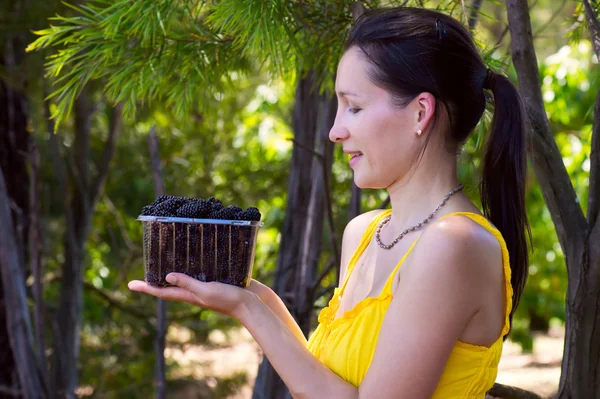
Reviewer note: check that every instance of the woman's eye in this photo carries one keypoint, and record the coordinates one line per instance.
(354, 110)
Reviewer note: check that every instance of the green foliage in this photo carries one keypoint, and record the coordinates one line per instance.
(258, 27)
(183, 52)
(216, 80)
(148, 50)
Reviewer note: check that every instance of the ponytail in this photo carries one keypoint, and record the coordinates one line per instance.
(503, 179)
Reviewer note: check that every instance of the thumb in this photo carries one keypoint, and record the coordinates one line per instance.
(181, 280)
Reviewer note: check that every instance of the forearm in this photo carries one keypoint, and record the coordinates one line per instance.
(303, 374)
(272, 300)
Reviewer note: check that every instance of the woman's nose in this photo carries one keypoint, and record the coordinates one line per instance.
(338, 133)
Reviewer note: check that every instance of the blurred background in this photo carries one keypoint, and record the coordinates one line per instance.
(113, 102)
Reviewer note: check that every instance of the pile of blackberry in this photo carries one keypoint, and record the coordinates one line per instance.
(198, 208)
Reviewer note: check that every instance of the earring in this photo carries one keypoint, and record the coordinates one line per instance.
(419, 132)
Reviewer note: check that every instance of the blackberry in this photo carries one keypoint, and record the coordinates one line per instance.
(169, 207)
(224, 213)
(160, 199)
(164, 198)
(204, 209)
(215, 207)
(251, 214)
(188, 210)
(214, 200)
(148, 210)
(195, 209)
(235, 210)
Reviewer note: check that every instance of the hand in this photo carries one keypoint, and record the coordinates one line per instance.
(220, 297)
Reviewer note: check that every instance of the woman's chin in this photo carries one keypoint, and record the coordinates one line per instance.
(366, 183)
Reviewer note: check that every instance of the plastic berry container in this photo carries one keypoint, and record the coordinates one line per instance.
(205, 249)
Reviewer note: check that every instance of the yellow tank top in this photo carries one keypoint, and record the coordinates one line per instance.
(347, 344)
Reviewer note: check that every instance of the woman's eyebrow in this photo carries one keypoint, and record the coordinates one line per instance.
(346, 94)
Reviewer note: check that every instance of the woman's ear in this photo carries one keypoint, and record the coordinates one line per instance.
(425, 106)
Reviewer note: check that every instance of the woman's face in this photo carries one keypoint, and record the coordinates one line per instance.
(380, 138)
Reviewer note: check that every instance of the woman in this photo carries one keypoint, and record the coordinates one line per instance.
(426, 291)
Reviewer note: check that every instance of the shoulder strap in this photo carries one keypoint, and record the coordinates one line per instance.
(387, 288)
(364, 242)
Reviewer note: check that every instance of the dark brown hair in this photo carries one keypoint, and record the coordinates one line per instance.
(414, 50)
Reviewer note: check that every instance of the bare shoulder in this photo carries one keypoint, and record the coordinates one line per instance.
(357, 226)
(462, 246)
(352, 234)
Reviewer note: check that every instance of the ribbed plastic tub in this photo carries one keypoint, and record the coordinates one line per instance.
(205, 249)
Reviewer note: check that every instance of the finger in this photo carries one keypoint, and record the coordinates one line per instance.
(188, 283)
(166, 293)
(206, 292)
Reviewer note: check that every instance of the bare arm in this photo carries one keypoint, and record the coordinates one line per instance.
(303, 374)
(273, 302)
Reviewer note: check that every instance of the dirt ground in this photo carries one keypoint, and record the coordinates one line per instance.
(238, 353)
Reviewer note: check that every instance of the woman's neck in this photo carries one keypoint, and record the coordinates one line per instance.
(416, 197)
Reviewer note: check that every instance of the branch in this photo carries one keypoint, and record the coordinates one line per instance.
(140, 314)
(508, 392)
(474, 14)
(36, 258)
(502, 35)
(61, 173)
(18, 324)
(359, 9)
(329, 208)
(594, 186)
(464, 11)
(593, 26)
(325, 290)
(552, 18)
(80, 155)
(111, 207)
(321, 276)
(302, 146)
(330, 222)
(355, 200)
(159, 186)
(10, 391)
(133, 311)
(385, 203)
(506, 29)
(107, 155)
(549, 168)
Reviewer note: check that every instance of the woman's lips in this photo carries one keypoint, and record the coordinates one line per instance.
(355, 158)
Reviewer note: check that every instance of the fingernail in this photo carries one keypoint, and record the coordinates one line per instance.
(171, 279)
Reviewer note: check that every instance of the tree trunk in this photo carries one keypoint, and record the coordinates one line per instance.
(303, 285)
(20, 369)
(82, 193)
(161, 305)
(355, 201)
(578, 237)
(300, 247)
(18, 324)
(68, 321)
